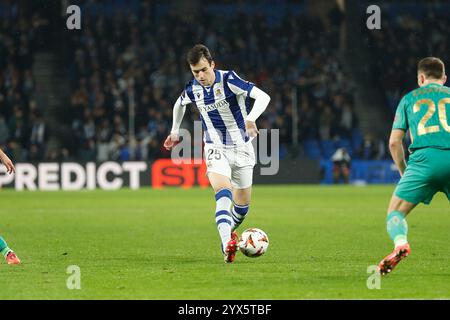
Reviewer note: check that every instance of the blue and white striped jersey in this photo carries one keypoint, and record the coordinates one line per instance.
(223, 107)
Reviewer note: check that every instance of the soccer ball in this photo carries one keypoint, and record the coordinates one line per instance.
(253, 242)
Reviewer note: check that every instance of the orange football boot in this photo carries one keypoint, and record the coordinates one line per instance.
(390, 262)
(11, 258)
(231, 249)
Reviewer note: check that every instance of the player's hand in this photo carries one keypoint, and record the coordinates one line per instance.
(171, 141)
(7, 163)
(252, 129)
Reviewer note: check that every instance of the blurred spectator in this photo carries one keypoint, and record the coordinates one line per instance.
(4, 131)
(347, 122)
(369, 149)
(38, 131)
(341, 166)
(88, 152)
(325, 123)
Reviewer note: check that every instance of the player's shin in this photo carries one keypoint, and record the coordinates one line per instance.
(397, 228)
(3, 247)
(224, 199)
(238, 213)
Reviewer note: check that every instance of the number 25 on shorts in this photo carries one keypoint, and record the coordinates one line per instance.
(214, 154)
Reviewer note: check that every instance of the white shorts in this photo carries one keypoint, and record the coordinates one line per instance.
(236, 163)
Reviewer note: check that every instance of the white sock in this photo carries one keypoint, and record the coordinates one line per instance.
(223, 216)
(400, 242)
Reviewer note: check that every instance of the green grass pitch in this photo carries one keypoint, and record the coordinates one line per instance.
(163, 244)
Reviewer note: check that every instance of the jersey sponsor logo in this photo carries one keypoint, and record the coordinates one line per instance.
(217, 105)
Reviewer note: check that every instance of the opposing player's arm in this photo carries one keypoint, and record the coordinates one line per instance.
(399, 128)
(7, 162)
(397, 150)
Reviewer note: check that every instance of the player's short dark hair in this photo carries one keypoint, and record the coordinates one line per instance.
(197, 52)
(431, 67)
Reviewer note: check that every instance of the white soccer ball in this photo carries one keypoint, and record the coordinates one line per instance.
(253, 242)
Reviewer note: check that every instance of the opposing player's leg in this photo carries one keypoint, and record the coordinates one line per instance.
(419, 183)
(397, 229)
(8, 254)
(224, 199)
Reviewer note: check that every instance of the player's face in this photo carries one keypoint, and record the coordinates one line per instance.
(203, 72)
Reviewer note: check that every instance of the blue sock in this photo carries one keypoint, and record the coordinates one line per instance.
(238, 213)
(224, 199)
(397, 228)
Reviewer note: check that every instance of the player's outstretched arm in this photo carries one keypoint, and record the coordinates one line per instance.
(396, 148)
(7, 162)
(178, 114)
(262, 100)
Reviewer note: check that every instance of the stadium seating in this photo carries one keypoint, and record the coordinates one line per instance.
(312, 149)
(20, 110)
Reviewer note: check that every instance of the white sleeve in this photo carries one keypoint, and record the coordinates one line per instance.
(262, 100)
(178, 114)
(184, 98)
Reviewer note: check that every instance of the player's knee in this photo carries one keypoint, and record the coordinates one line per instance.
(219, 184)
(400, 205)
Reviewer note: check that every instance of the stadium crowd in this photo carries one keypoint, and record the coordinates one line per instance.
(23, 133)
(415, 34)
(135, 59)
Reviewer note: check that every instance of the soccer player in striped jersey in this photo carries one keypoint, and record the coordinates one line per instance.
(9, 255)
(228, 121)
